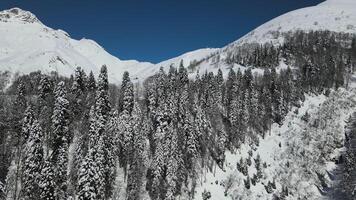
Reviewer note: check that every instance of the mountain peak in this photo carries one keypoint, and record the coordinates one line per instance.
(19, 15)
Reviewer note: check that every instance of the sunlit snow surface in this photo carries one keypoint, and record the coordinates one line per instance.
(27, 45)
(332, 15)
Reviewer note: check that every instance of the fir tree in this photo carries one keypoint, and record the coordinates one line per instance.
(91, 83)
(99, 121)
(13, 177)
(46, 183)
(90, 177)
(102, 96)
(127, 94)
(79, 82)
(60, 130)
(230, 89)
(136, 165)
(32, 163)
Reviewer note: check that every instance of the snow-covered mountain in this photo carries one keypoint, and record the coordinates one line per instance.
(27, 45)
(332, 15)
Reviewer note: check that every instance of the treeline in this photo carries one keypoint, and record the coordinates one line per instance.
(298, 48)
(66, 138)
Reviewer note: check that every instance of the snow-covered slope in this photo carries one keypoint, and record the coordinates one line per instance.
(332, 15)
(28, 45)
(295, 154)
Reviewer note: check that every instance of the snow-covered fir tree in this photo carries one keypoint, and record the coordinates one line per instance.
(46, 183)
(61, 137)
(32, 163)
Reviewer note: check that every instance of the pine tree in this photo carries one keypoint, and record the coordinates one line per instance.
(182, 75)
(90, 175)
(91, 83)
(136, 165)
(20, 104)
(127, 94)
(161, 140)
(60, 118)
(32, 163)
(102, 96)
(45, 109)
(79, 82)
(126, 136)
(99, 121)
(78, 93)
(220, 88)
(258, 168)
(339, 76)
(128, 101)
(244, 114)
(14, 175)
(173, 161)
(231, 83)
(60, 130)
(45, 88)
(92, 182)
(253, 108)
(46, 183)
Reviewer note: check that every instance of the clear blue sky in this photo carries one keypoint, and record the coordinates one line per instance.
(155, 30)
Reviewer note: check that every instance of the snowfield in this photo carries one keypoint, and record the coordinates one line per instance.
(38, 47)
(332, 15)
(294, 153)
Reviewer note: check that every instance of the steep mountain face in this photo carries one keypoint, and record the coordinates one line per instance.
(28, 45)
(38, 47)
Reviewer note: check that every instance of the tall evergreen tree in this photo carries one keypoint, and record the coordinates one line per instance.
(91, 174)
(46, 183)
(230, 84)
(14, 175)
(136, 164)
(102, 95)
(79, 82)
(32, 163)
(60, 129)
(127, 94)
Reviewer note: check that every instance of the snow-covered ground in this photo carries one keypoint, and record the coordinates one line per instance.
(295, 153)
(332, 15)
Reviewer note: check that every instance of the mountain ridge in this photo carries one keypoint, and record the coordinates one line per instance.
(38, 47)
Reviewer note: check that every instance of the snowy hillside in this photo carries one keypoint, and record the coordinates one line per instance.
(293, 155)
(38, 47)
(332, 15)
